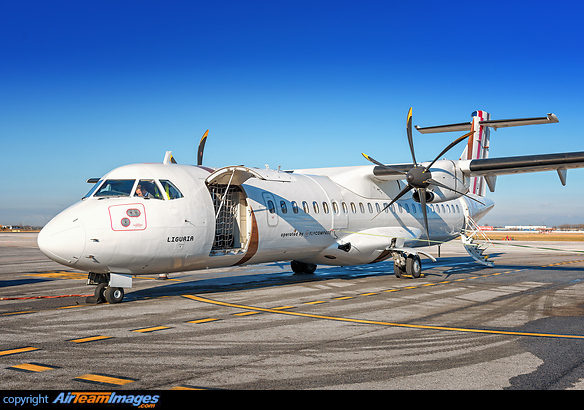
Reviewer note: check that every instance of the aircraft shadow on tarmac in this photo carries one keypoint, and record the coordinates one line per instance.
(286, 276)
(18, 282)
(455, 266)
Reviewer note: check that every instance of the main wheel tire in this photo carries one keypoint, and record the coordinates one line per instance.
(114, 295)
(302, 268)
(414, 266)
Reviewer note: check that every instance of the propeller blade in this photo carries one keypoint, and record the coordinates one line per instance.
(201, 148)
(422, 194)
(398, 196)
(368, 158)
(441, 185)
(452, 144)
(410, 138)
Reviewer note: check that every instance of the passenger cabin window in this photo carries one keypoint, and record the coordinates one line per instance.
(115, 187)
(283, 207)
(335, 208)
(148, 189)
(325, 207)
(305, 207)
(271, 206)
(170, 190)
(294, 207)
(315, 206)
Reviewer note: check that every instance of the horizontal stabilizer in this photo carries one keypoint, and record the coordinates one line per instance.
(551, 118)
(466, 126)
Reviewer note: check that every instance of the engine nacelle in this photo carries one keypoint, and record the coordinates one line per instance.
(445, 172)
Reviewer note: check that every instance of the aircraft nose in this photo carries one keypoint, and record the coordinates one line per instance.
(63, 239)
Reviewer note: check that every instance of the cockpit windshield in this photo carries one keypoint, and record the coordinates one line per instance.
(145, 188)
(115, 187)
(170, 190)
(93, 188)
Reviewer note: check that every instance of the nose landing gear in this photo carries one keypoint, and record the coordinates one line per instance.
(105, 291)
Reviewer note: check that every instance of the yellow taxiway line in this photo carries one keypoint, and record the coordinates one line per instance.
(375, 322)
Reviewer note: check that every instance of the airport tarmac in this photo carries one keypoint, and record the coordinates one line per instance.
(519, 325)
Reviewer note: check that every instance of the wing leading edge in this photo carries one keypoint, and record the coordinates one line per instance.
(491, 167)
(522, 163)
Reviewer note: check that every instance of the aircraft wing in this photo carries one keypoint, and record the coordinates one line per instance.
(497, 166)
(521, 164)
(491, 167)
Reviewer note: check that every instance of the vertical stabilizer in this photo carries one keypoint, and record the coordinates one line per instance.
(478, 148)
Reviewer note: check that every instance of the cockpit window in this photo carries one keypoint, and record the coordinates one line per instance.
(170, 190)
(116, 187)
(147, 188)
(93, 188)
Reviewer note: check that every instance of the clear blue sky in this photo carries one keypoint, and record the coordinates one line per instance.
(87, 86)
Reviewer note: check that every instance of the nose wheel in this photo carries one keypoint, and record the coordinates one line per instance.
(103, 292)
(114, 295)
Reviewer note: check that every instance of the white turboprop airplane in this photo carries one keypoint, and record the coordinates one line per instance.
(165, 217)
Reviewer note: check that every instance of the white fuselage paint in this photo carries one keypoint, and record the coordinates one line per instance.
(135, 235)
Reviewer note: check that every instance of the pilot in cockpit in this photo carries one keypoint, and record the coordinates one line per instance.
(141, 191)
(148, 189)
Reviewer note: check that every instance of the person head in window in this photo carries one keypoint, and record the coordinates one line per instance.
(141, 191)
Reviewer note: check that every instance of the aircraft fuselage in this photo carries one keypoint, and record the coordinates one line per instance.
(230, 221)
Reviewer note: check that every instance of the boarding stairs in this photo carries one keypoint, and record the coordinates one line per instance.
(475, 242)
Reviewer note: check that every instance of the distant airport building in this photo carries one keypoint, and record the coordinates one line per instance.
(525, 227)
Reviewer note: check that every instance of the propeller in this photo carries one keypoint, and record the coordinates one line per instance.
(202, 148)
(419, 177)
(170, 159)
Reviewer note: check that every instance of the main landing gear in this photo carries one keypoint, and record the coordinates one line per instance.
(404, 264)
(105, 291)
(302, 268)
